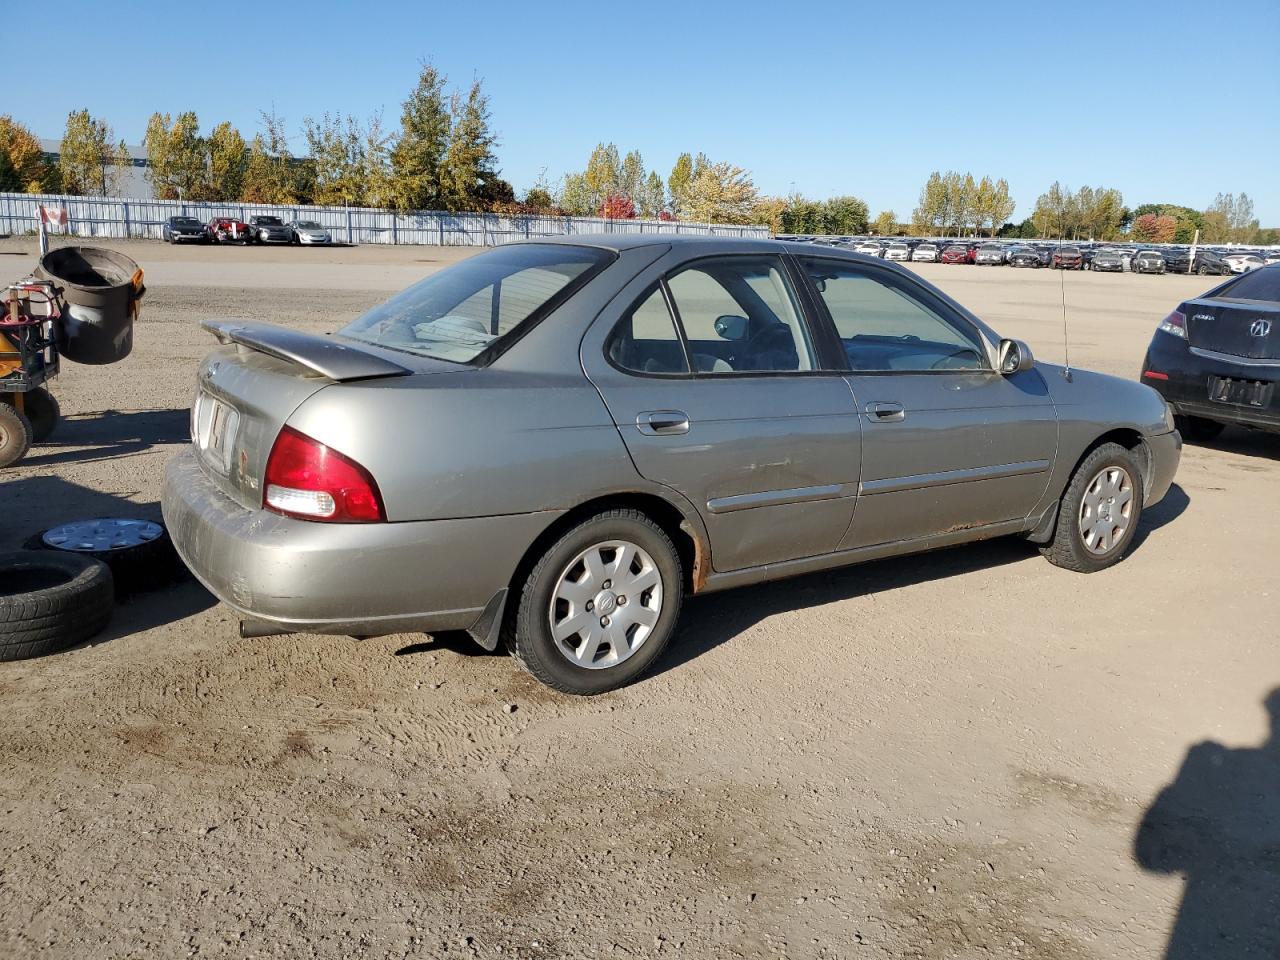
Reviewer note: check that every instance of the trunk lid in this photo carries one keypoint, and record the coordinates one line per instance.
(1249, 329)
(248, 388)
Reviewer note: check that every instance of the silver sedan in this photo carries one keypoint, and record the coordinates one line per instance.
(552, 443)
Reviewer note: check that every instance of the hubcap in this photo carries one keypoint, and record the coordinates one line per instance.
(605, 604)
(1106, 510)
(101, 535)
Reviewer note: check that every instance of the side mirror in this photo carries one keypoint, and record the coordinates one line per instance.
(1015, 357)
(731, 327)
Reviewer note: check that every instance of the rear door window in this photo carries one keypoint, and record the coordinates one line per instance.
(646, 341)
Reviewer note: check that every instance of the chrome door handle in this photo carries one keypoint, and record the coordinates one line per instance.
(882, 412)
(662, 422)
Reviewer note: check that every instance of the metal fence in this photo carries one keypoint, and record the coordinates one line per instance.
(121, 218)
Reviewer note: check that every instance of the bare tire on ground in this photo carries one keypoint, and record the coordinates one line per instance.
(51, 601)
(41, 408)
(600, 604)
(1198, 429)
(15, 435)
(1099, 513)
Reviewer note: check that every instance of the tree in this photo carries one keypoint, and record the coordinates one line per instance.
(1230, 218)
(770, 211)
(575, 196)
(632, 179)
(23, 166)
(1154, 228)
(603, 175)
(1051, 213)
(539, 198)
(270, 174)
(86, 155)
(720, 193)
(930, 215)
(678, 184)
(469, 166)
(618, 206)
(844, 215)
(885, 224)
(653, 198)
(1002, 205)
(338, 161)
(802, 215)
(419, 152)
(228, 157)
(176, 156)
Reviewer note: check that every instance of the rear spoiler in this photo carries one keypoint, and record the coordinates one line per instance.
(325, 356)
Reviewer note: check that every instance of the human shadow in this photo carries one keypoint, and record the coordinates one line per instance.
(1218, 824)
(110, 434)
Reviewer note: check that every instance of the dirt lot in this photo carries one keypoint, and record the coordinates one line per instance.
(945, 756)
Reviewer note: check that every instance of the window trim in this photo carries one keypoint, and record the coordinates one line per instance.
(658, 285)
(814, 329)
(918, 291)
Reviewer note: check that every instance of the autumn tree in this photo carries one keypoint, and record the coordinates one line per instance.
(653, 197)
(720, 193)
(678, 185)
(885, 224)
(271, 176)
(228, 157)
(23, 166)
(87, 155)
(632, 179)
(419, 151)
(469, 169)
(176, 156)
(337, 151)
(618, 206)
(603, 175)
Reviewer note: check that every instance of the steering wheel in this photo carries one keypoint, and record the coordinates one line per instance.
(775, 337)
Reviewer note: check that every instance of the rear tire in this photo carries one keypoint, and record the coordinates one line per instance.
(54, 601)
(575, 566)
(15, 435)
(1099, 513)
(40, 407)
(1198, 429)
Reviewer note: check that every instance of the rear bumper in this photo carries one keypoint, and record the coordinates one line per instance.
(1187, 388)
(356, 579)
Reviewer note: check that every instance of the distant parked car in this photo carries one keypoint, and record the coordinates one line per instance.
(1108, 261)
(270, 230)
(1271, 257)
(989, 254)
(229, 230)
(925, 253)
(871, 248)
(1021, 256)
(309, 233)
(1207, 262)
(184, 230)
(1243, 262)
(897, 251)
(1216, 359)
(1067, 258)
(955, 253)
(1149, 261)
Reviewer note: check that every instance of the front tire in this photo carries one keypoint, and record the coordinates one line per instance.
(15, 435)
(600, 605)
(1099, 513)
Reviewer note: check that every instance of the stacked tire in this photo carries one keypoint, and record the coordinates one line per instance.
(51, 600)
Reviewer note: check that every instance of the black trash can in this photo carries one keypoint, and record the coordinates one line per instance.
(101, 290)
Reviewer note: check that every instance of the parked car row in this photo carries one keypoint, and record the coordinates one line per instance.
(259, 229)
(1105, 258)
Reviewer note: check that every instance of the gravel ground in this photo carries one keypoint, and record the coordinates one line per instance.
(943, 756)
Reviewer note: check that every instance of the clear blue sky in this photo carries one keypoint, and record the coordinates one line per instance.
(1168, 101)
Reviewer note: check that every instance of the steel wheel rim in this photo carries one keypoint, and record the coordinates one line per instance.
(605, 604)
(1106, 510)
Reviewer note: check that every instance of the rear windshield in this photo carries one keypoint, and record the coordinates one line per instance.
(1260, 284)
(309, 225)
(459, 312)
(184, 221)
(268, 221)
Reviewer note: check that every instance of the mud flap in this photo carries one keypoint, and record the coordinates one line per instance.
(487, 631)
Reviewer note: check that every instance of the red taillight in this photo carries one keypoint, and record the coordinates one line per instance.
(1156, 375)
(1175, 323)
(306, 479)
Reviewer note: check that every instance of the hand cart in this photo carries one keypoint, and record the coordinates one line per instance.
(28, 358)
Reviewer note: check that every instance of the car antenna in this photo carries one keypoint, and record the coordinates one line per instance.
(1062, 286)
